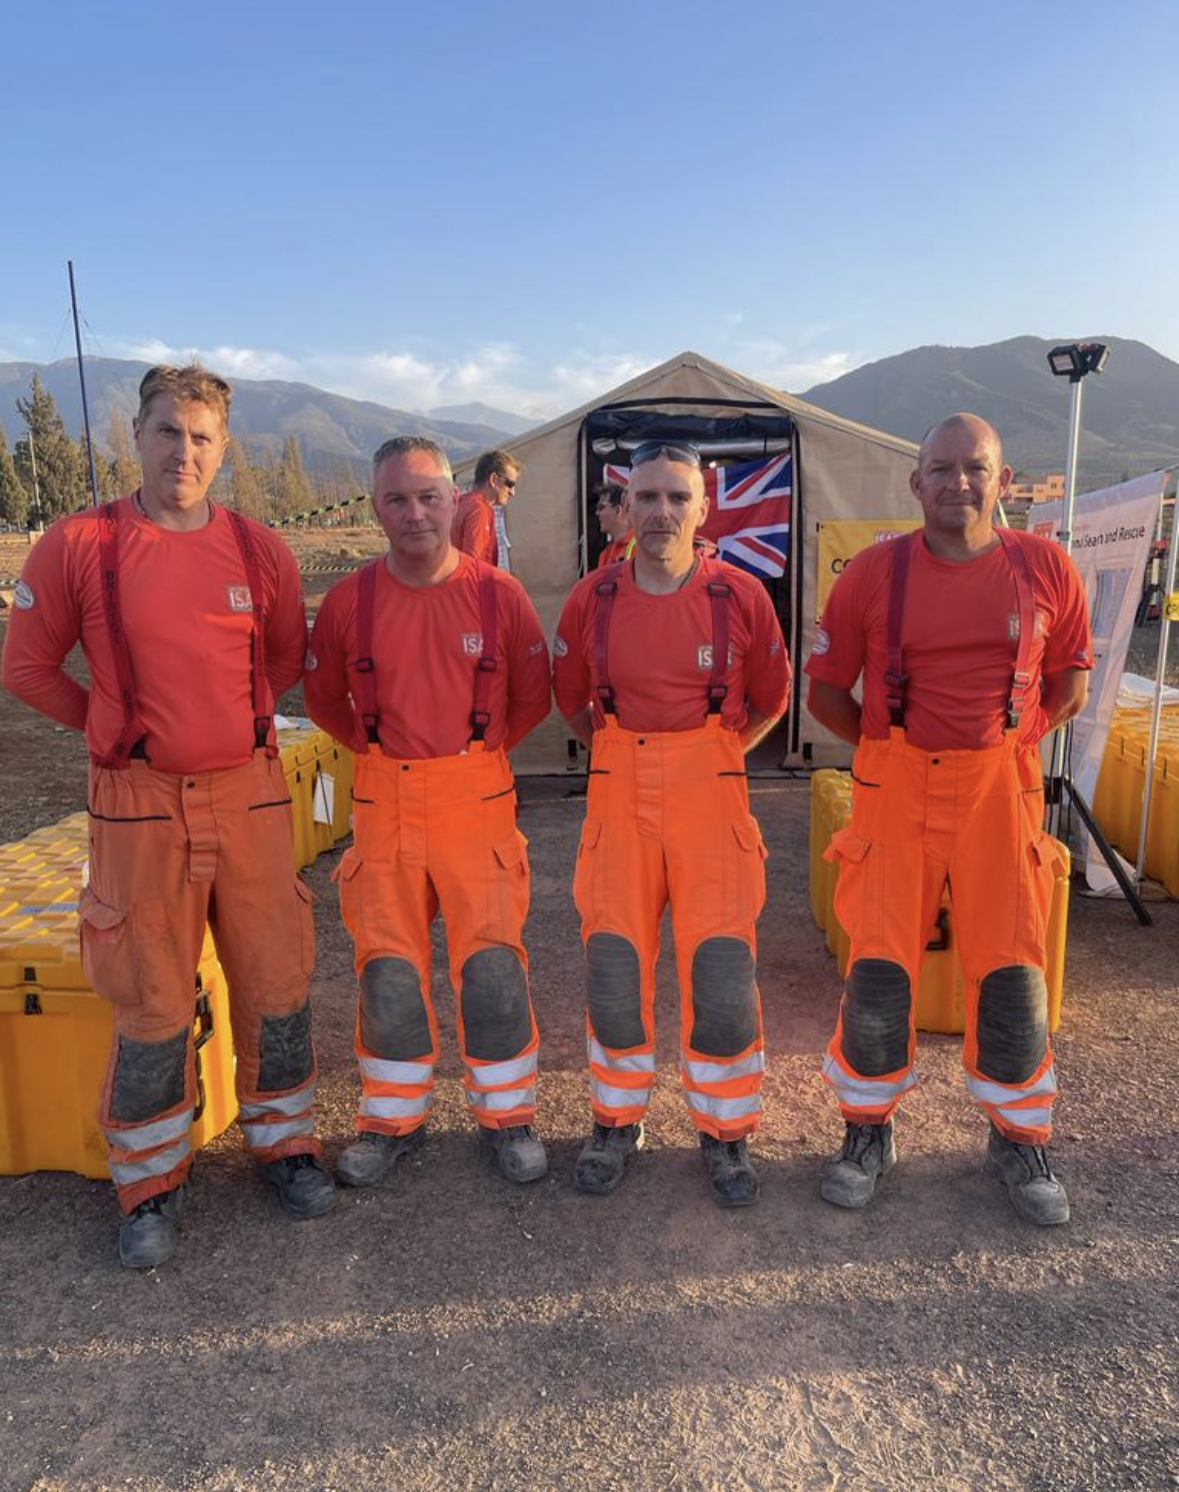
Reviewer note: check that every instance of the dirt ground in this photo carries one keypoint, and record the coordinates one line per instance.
(446, 1331)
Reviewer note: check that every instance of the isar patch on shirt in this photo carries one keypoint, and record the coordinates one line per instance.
(821, 643)
(473, 644)
(1013, 625)
(239, 598)
(704, 655)
(23, 598)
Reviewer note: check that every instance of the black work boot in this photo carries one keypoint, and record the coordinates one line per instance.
(518, 1153)
(372, 1156)
(604, 1157)
(1034, 1191)
(304, 1187)
(732, 1178)
(148, 1234)
(868, 1153)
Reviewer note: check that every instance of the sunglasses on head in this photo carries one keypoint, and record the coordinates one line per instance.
(651, 450)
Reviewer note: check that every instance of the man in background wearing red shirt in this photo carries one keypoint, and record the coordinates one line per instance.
(671, 666)
(973, 643)
(192, 623)
(432, 665)
(479, 528)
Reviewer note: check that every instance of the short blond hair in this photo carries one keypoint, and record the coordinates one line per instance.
(191, 384)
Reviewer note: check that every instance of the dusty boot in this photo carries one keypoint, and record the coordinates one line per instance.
(518, 1153)
(372, 1156)
(304, 1187)
(733, 1180)
(148, 1234)
(868, 1152)
(604, 1156)
(1034, 1191)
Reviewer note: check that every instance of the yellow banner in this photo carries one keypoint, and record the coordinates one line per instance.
(842, 538)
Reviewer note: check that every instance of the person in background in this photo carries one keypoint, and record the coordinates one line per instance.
(614, 521)
(480, 521)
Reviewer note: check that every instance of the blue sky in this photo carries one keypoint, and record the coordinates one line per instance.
(525, 203)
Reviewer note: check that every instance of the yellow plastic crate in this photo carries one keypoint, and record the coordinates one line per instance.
(55, 1039)
(338, 763)
(298, 753)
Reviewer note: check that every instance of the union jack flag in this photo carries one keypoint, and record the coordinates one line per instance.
(749, 511)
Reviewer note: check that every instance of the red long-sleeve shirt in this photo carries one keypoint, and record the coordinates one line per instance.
(187, 615)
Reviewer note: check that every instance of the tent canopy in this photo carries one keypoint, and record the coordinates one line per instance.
(843, 470)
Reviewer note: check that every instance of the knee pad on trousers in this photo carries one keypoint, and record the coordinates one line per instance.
(286, 1058)
(494, 1001)
(614, 992)
(393, 1019)
(724, 997)
(149, 1078)
(1012, 1023)
(876, 1002)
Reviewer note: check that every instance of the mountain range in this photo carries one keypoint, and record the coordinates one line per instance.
(1129, 413)
(1129, 423)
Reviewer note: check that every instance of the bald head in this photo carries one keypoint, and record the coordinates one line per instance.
(972, 426)
(959, 481)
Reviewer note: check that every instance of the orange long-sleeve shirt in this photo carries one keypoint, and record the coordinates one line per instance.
(473, 529)
(187, 615)
(426, 646)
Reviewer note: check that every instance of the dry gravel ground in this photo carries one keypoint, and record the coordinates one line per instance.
(445, 1331)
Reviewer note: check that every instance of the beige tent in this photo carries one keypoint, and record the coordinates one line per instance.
(842, 471)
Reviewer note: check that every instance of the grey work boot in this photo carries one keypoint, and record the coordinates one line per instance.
(732, 1178)
(372, 1156)
(518, 1153)
(868, 1153)
(148, 1234)
(304, 1187)
(1034, 1191)
(604, 1157)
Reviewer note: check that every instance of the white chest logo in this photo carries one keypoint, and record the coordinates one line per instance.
(239, 598)
(473, 644)
(704, 655)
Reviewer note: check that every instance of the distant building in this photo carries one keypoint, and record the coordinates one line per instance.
(1050, 490)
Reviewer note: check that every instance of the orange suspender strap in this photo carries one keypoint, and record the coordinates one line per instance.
(134, 730)
(258, 688)
(366, 687)
(719, 591)
(895, 679)
(487, 665)
(1025, 599)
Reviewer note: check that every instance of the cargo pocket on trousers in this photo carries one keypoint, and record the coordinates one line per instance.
(306, 910)
(106, 950)
(848, 852)
(1050, 863)
(583, 871)
(348, 879)
(751, 872)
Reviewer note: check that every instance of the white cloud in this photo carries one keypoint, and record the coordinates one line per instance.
(795, 365)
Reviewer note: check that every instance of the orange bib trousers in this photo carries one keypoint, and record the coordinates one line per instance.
(668, 820)
(922, 820)
(168, 854)
(439, 835)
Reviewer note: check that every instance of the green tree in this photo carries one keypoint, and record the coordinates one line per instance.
(14, 500)
(246, 491)
(293, 492)
(61, 484)
(123, 458)
(104, 471)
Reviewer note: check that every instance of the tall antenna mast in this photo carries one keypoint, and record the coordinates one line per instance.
(82, 381)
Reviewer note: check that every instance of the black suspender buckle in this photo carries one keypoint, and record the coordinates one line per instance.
(363, 665)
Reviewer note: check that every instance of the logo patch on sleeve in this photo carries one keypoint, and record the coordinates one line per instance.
(310, 662)
(239, 598)
(821, 643)
(23, 598)
(560, 646)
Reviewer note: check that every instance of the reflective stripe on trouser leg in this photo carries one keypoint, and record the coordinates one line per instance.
(498, 1036)
(263, 925)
